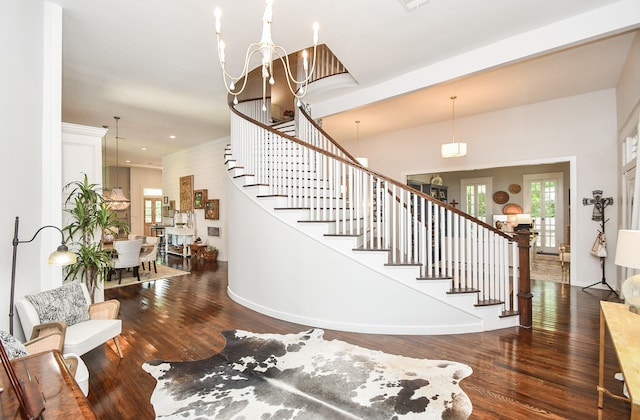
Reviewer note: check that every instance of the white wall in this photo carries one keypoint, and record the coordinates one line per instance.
(206, 164)
(21, 117)
(580, 129)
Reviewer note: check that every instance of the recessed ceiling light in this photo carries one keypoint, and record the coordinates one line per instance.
(127, 161)
(172, 136)
(144, 148)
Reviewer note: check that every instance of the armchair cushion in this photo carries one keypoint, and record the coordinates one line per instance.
(13, 347)
(66, 303)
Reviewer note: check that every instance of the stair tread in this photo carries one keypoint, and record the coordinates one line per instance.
(489, 302)
(457, 291)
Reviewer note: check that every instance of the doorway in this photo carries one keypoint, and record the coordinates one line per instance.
(543, 200)
(152, 213)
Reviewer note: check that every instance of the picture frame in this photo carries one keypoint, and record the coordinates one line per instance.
(213, 231)
(186, 193)
(212, 209)
(434, 192)
(442, 194)
(199, 199)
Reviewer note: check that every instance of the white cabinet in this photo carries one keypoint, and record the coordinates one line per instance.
(177, 240)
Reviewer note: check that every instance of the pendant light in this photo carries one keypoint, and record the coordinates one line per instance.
(117, 200)
(269, 53)
(453, 149)
(361, 160)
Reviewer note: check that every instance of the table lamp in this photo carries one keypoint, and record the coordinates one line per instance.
(628, 255)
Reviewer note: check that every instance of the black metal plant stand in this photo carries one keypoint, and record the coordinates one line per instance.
(599, 204)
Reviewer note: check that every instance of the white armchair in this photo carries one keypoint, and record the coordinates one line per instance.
(87, 325)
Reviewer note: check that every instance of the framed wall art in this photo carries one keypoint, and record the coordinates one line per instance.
(212, 209)
(199, 199)
(186, 193)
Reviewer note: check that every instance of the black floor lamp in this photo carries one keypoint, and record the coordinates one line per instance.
(62, 256)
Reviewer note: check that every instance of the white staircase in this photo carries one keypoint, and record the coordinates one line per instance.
(316, 239)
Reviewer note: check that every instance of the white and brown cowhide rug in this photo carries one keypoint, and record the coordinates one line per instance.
(303, 376)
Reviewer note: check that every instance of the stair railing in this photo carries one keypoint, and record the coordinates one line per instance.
(415, 229)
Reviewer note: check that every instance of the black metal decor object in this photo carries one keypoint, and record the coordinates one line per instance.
(598, 215)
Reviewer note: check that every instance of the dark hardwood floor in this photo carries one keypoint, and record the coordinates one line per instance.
(547, 372)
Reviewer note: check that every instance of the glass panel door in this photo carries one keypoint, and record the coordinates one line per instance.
(543, 200)
(152, 213)
(475, 197)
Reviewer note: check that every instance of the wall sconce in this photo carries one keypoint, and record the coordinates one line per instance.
(60, 257)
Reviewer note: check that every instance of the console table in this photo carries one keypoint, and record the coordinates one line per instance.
(176, 236)
(63, 396)
(623, 328)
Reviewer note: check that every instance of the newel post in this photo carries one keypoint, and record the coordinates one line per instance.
(524, 284)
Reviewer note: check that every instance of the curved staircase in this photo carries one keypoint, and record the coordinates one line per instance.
(319, 240)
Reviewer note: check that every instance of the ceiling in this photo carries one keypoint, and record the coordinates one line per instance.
(154, 63)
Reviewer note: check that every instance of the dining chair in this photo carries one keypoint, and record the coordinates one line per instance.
(152, 255)
(128, 256)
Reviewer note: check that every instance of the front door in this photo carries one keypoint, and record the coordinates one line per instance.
(543, 199)
(152, 213)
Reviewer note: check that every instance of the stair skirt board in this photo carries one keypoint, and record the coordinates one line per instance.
(319, 280)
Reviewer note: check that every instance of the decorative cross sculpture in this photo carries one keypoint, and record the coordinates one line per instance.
(599, 204)
(454, 203)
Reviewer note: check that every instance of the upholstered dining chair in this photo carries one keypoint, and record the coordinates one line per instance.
(152, 255)
(128, 256)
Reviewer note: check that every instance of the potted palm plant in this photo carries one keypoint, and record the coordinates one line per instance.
(90, 216)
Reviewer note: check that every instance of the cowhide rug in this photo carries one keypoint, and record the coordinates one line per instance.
(303, 376)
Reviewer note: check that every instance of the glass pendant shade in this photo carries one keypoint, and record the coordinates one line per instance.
(116, 200)
(62, 256)
(453, 150)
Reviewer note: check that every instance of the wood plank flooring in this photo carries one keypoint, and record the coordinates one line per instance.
(547, 372)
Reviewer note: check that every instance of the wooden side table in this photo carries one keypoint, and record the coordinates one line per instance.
(63, 396)
(623, 328)
(197, 250)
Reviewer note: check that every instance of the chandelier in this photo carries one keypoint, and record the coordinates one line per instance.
(116, 200)
(453, 149)
(235, 85)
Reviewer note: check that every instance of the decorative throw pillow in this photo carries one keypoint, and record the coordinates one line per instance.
(13, 347)
(65, 303)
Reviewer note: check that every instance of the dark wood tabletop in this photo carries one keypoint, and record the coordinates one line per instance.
(63, 397)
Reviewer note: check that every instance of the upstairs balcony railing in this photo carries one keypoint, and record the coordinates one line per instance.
(315, 172)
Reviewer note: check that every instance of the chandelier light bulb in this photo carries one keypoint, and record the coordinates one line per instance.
(316, 27)
(235, 100)
(217, 13)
